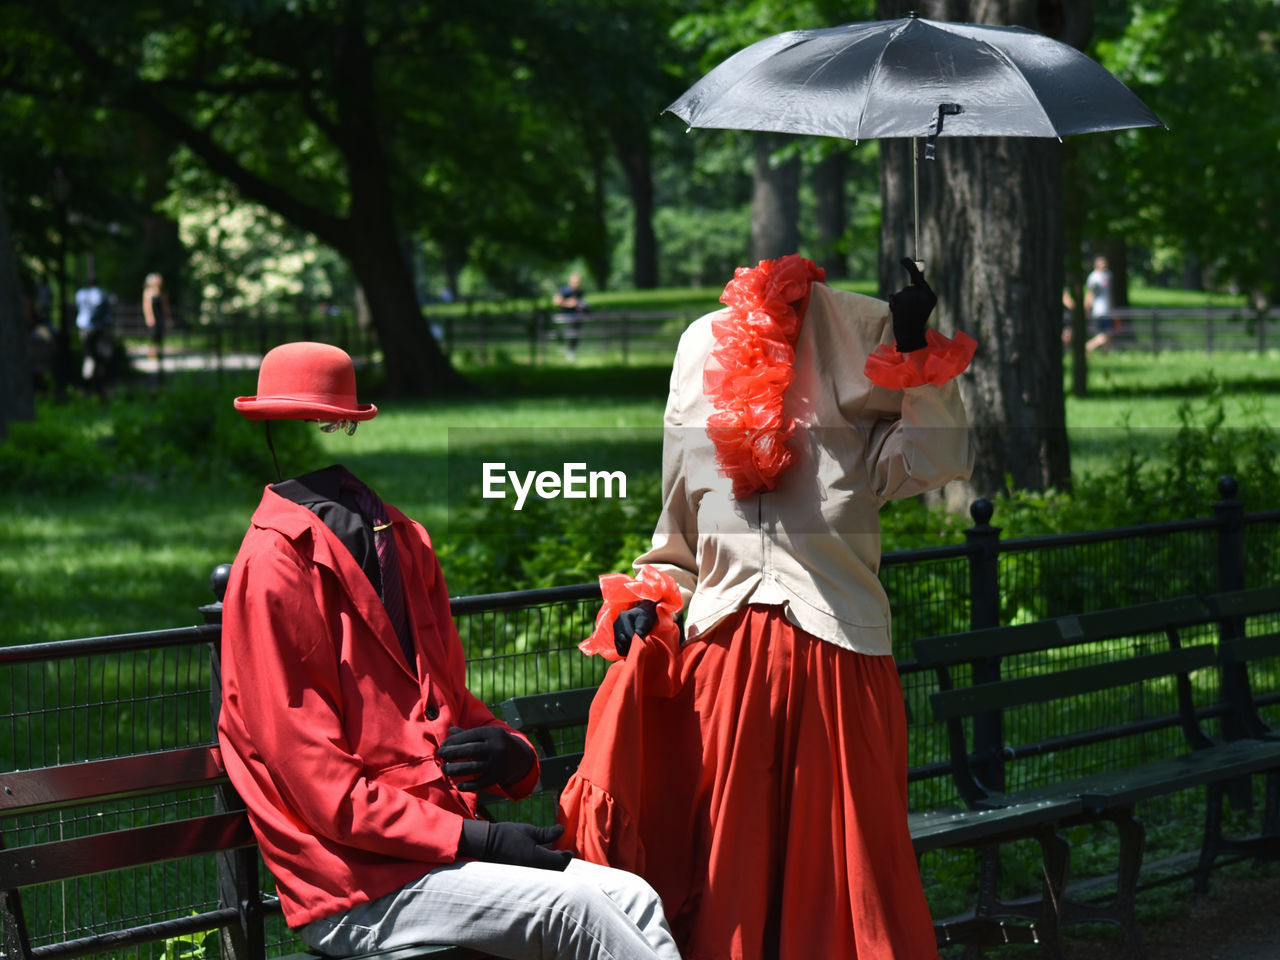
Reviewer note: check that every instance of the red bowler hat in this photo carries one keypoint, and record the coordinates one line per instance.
(306, 381)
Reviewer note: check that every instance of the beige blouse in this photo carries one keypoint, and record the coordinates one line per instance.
(812, 545)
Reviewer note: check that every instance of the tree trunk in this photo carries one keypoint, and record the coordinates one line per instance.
(635, 154)
(412, 360)
(600, 258)
(1117, 254)
(1075, 273)
(16, 400)
(991, 233)
(370, 240)
(831, 220)
(775, 203)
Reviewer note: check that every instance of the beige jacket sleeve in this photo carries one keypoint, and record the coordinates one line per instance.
(675, 538)
(925, 447)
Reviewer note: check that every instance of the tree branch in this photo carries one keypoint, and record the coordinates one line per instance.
(139, 97)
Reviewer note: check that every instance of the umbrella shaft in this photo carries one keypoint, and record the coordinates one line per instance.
(915, 195)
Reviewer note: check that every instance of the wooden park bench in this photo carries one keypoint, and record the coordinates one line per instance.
(1120, 683)
(556, 723)
(49, 855)
(1048, 683)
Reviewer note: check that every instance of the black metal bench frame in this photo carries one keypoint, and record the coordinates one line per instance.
(1108, 795)
(1239, 650)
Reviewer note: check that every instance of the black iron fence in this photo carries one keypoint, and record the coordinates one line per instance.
(1196, 328)
(483, 334)
(539, 335)
(110, 696)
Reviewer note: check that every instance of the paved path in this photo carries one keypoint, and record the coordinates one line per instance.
(1238, 920)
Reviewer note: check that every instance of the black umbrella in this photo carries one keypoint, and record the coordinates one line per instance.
(912, 78)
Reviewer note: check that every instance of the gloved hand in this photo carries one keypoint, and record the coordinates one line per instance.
(639, 619)
(910, 308)
(484, 755)
(519, 844)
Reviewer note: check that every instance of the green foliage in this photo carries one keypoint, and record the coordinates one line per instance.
(192, 946)
(1202, 190)
(1173, 481)
(547, 544)
(189, 434)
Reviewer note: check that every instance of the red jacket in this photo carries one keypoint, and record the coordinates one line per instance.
(326, 734)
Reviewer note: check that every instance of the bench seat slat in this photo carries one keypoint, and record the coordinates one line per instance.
(1123, 787)
(121, 849)
(964, 827)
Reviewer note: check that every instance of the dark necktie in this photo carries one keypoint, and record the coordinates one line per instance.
(373, 509)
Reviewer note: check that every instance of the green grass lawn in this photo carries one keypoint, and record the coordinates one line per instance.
(135, 553)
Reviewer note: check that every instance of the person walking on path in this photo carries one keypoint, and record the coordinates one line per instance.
(571, 303)
(155, 311)
(1098, 305)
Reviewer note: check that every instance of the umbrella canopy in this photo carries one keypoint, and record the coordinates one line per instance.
(912, 77)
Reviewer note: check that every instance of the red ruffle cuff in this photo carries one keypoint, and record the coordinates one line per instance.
(750, 368)
(622, 592)
(938, 362)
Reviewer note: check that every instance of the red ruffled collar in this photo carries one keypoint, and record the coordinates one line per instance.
(751, 367)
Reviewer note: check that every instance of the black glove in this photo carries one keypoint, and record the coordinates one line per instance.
(520, 844)
(639, 619)
(485, 755)
(910, 308)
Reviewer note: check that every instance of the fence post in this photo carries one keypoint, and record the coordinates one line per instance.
(238, 883)
(984, 573)
(1229, 512)
(984, 611)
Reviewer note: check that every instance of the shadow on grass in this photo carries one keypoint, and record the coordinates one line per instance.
(1228, 382)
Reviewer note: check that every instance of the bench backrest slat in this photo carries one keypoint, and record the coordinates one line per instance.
(988, 642)
(122, 849)
(1245, 603)
(1044, 688)
(71, 783)
(1246, 649)
(556, 771)
(1132, 620)
(563, 708)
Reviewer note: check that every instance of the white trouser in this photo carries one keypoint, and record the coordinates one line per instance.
(588, 912)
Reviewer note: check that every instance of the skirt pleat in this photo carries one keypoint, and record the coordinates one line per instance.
(757, 778)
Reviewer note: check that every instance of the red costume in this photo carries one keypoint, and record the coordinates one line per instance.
(756, 773)
(344, 789)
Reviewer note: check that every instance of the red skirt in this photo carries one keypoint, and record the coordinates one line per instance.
(757, 778)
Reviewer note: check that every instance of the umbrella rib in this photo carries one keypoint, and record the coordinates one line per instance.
(1035, 98)
(871, 77)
